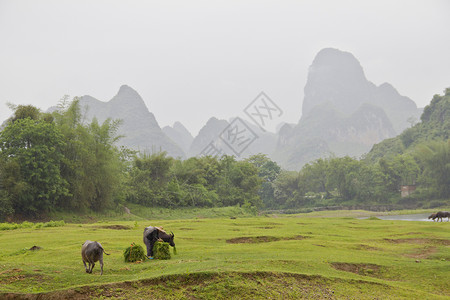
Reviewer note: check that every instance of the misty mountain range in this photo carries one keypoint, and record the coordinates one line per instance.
(343, 114)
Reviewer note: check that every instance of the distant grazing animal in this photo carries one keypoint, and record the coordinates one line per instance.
(92, 252)
(153, 234)
(432, 216)
(443, 214)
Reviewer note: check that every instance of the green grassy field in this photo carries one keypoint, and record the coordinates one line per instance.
(317, 256)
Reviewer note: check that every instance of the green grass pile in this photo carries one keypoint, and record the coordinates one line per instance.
(161, 250)
(134, 253)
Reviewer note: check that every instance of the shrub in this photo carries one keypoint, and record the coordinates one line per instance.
(134, 253)
(26, 224)
(436, 204)
(54, 224)
(161, 250)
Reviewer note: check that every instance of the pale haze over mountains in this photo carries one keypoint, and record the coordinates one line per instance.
(190, 60)
(343, 114)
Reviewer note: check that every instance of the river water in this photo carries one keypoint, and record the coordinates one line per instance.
(411, 217)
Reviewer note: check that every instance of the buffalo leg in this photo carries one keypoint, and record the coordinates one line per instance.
(101, 266)
(85, 267)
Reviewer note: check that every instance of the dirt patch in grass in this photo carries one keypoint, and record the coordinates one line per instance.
(15, 275)
(367, 247)
(423, 253)
(409, 233)
(266, 227)
(115, 227)
(420, 241)
(208, 285)
(371, 270)
(262, 239)
(12, 275)
(427, 251)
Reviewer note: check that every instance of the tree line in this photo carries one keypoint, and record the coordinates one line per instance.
(59, 162)
(346, 180)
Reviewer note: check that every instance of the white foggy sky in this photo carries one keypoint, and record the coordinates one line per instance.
(191, 60)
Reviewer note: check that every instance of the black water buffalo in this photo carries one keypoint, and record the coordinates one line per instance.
(92, 252)
(153, 234)
(442, 214)
(432, 216)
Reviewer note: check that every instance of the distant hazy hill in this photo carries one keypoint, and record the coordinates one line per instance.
(140, 128)
(264, 143)
(180, 135)
(337, 80)
(434, 125)
(343, 113)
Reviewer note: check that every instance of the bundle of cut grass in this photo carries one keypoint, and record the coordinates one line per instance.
(134, 253)
(161, 250)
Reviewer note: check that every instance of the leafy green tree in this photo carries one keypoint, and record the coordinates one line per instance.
(195, 178)
(92, 164)
(341, 172)
(368, 184)
(30, 150)
(268, 171)
(149, 179)
(288, 190)
(400, 170)
(238, 183)
(25, 111)
(11, 187)
(104, 169)
(315, 176)
(434, 158)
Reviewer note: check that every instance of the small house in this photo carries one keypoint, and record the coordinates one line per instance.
(407, 190)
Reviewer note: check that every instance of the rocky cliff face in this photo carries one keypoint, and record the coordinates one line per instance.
(140, 129)
(343, 113)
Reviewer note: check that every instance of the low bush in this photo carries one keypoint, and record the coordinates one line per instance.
(26, 224)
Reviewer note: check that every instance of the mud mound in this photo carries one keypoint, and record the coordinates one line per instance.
(360, 269)
(262, 239)
(420, 241)
(116, 227)
(367, 247)
(423, 253)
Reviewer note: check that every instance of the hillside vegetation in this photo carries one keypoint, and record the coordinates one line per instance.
(434, 125)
